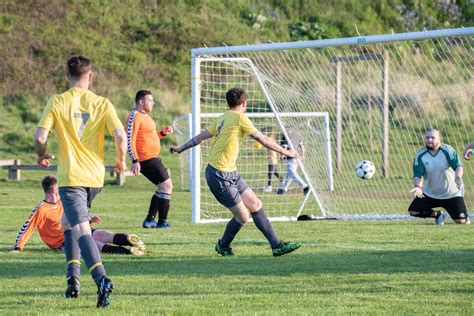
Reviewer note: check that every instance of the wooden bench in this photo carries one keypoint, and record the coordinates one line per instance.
(14, 168)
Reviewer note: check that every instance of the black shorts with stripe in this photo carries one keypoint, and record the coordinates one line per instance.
(454, 206)
(154, 170)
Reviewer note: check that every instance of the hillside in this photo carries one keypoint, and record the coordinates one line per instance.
(146, 44)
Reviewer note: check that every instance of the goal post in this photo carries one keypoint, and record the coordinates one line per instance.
(379, 94)
(252, 165)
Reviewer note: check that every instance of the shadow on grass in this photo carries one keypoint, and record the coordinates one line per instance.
(361, 262)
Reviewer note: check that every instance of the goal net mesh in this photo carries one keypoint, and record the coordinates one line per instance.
(423, 84)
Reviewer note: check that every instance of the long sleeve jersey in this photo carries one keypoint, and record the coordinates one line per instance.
(46, 217)
(143, 140)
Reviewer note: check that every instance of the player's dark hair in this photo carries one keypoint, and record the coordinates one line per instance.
(77, 66)
(141, 94)
(235, 96)
(48, 182)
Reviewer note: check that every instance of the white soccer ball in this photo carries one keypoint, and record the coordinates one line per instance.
(365, 169)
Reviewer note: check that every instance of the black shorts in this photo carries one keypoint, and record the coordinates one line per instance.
(454, 206)
(154, 170)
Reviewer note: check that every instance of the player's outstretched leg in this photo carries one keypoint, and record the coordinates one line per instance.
(105, 288)
(223, 245)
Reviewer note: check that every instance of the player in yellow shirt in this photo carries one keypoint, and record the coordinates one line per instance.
(79, 118)
(226, 184)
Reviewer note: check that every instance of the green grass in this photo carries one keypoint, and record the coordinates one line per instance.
(360, 267)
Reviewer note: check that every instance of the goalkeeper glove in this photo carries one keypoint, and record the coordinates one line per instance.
(417, 192)
(468, 153)
(458, 182)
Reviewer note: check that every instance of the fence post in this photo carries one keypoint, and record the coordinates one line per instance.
(120, 179)
(14, 173)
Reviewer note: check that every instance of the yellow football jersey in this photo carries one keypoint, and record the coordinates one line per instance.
(228, 131)
(79, 117)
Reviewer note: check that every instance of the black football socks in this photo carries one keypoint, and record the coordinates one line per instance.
(91, 255)
(153, 208)
(263, 224)
(73, 256)
(231, 230)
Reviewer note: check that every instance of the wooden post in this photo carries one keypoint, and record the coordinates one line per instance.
(120, 178)
(14, 173)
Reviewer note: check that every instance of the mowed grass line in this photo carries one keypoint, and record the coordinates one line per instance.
(362, 267)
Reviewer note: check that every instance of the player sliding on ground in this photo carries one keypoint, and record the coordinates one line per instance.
(226, 184)
(46, 217)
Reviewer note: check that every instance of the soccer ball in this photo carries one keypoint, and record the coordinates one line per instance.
(365, 169)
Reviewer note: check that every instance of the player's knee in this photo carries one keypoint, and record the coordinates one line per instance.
(166, 186)
(242, 219)
(254, 205)
(414, 213)
(462, 221)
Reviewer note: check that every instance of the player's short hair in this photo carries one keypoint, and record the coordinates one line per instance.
(48, 182)
(141, 94)
(235, 96)
(77, 66)
(433, 130)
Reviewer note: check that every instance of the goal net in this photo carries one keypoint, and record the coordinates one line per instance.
(378, 95)
(254, 160)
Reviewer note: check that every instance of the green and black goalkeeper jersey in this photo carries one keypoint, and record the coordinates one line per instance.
(437, 172)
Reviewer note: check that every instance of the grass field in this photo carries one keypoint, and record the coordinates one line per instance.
(357, 267)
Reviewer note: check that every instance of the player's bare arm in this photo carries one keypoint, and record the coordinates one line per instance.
(272, 145)
(41, 144)
(120, 140)
(196, 140)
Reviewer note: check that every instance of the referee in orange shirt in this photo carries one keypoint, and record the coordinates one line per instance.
(143, 142)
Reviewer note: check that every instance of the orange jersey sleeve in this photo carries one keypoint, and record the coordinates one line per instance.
(132, 125)
(28, 228)
(143, 141)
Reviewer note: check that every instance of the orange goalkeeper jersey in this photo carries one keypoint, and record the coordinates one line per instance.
(143, 140)
(46, 217)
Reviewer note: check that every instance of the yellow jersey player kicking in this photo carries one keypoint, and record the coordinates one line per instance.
(223, 179)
